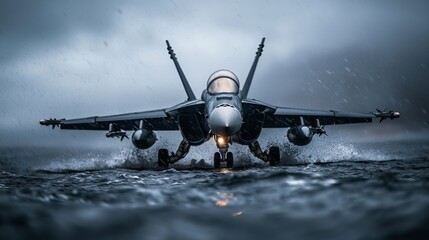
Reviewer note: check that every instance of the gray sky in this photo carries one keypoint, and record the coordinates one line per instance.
(82, 58)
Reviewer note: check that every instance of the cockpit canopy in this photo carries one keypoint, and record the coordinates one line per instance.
(223, 81)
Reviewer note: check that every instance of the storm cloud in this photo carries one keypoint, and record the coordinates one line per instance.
(82, 58)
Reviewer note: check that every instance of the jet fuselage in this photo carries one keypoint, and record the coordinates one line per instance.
(223, 112)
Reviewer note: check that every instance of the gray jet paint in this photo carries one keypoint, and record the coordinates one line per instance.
(225, 114)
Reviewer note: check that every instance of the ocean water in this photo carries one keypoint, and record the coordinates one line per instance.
(376, 190)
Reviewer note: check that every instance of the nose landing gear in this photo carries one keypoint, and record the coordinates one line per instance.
(223, 155)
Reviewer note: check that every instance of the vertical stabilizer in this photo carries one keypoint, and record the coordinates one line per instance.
(249, 78)
(188, 89)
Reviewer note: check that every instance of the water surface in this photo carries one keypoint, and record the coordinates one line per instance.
(312, 197)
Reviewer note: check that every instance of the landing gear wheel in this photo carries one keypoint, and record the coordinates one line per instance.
(229, 160)
(163, 158)
(274, 156)
(216, 160)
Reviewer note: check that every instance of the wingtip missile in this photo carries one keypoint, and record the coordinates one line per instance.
(383, 115)
(51, 122)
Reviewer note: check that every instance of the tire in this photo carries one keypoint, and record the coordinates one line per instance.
(274, 156)
(163, 158)
(229, 160)
(216, 160)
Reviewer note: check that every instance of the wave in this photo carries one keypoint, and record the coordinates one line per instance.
(199, 158)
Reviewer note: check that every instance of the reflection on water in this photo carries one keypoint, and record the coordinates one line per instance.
(235, 214)
(221, 203)
(223, 199)
(225, 170)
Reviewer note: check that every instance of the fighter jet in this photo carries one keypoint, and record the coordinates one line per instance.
(225, 114)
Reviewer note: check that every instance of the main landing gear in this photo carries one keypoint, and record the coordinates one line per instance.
(164, 159)
(223, 155)
(272, 156)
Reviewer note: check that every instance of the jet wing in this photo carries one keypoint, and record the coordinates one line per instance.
(161, 119)
(287, 117)
(283, 117)
(157, 120)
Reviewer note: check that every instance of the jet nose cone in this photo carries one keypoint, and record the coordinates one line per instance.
(225, 121)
